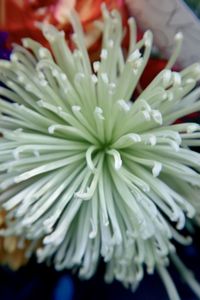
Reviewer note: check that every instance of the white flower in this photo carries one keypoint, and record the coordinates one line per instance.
(85, 170)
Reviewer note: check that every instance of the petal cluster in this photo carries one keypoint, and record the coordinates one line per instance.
(85, 170)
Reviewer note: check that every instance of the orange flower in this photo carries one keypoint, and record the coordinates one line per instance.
(10, 253)
(19, 17)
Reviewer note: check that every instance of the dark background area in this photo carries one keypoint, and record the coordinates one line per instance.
(37, 282)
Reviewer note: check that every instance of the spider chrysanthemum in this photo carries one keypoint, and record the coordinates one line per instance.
(86, 171)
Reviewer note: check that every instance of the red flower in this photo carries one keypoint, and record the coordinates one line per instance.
(153, 68)
(19, 17)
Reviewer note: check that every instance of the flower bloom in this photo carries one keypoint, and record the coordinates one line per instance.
(87, 171)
